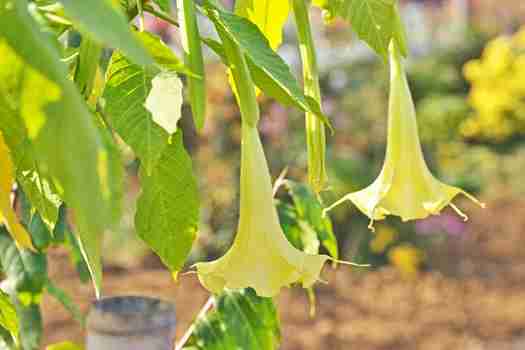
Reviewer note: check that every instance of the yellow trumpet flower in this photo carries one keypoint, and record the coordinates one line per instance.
(261, 257)
(405, 187)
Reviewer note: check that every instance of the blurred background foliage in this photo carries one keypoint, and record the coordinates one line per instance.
(467, 75)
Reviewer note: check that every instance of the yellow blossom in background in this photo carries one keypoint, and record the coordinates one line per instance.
(407, 259)
(497, 94)
(384, 235)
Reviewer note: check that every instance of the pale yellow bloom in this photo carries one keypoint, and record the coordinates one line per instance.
(261, 257)
(405, 187)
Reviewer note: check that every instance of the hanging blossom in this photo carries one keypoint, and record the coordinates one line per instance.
(405, 187)
(261, 257)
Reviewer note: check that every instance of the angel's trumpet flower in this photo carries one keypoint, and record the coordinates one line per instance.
(405, 186)
(261, 257)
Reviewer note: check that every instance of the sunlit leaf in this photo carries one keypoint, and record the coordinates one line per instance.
(269, 15)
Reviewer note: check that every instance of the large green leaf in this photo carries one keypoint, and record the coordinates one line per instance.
(376, 22)
(8, 317)
(69, 147)
(269, 72)
(105, 23)
(241, 320)
(168, 208)
(126, 90)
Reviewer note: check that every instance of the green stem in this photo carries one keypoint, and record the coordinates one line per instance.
(244, 86)
(161, 14)
(315, 130)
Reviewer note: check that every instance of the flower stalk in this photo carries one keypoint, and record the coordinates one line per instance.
(315, 129)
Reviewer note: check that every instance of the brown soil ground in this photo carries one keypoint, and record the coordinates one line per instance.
(473, 300)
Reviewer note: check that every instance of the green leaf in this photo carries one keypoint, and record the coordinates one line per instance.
(105, 23)
(376, 22)
(269, 72)
(162, 54)
(191, 44)
(127, 87)
(168, 209)
(8, 317)
(241, 320)
(164, 5)
(310, 212)
(66, 301)
(269, 15)
(77, 164)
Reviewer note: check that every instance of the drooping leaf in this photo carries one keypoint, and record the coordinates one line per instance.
(7, 213)
(241, 320)
(8, 317)
(191, 44)
(310, 211)
(58, 124)
(269, 72)
(168, 208)
(376, 22)
(105, 23)
(127, 87)
(164, 101)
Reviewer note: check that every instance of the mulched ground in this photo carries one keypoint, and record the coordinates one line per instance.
(473, 300)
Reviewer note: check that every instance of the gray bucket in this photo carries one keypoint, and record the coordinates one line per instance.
(130, 323)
